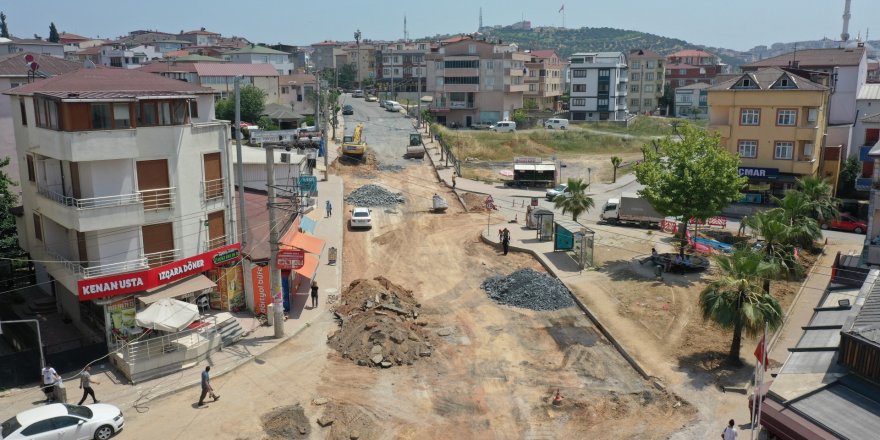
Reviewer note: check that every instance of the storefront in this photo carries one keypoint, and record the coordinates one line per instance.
(764, 183)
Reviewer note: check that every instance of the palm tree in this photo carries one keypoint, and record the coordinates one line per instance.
(615, 163)
(736, 300)
(575, 200)
(797, 210)
(775, 227)
(823, 205)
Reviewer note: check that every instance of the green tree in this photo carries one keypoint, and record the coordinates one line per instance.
(846, 184)
(693, 178)
(575, 201)
(4, 28)
(519, 116)
(8, 200)
(252, 105)
(797, 210)
(53, 33)
(822, 205)
(530, 104)
(667, 101)
(267, 123)
(774, 227)
(346, 76)
(736, 300)
(615, 164)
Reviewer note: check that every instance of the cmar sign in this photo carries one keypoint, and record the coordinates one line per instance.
(767, 173)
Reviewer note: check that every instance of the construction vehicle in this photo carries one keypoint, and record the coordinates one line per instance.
(415, 149)
(355, 146)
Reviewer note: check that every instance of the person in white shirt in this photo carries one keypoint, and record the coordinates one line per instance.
(730, 432)
(50, 378)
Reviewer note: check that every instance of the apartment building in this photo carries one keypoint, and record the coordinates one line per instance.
(117, 55)
(221, 76)
(32, 45)
(400, 67)
(124, 173)
(366, 67)
(774, 121)
(473, 81)
(647, 77)
(599, 83)
(325, 54)
(253, 54)
(545, 79)
(687, 67)
(692, 101)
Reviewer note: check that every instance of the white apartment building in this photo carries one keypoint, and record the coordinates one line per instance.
(262, 55)
(122, 172)
(647, 75)
(598, 86)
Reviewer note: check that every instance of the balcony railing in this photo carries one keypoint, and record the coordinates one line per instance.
(216, 242)
(213, 189)
(159, 198)
(163, 257)
(156, 347)
(76, 268)
(89, 203)
(114, 268)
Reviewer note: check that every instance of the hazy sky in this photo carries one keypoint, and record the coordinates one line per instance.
(739, 24)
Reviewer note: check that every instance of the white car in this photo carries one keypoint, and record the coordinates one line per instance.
(360, 218)
(561, 189)
(62, 421)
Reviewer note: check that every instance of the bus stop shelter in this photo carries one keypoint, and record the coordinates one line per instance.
(575, 239)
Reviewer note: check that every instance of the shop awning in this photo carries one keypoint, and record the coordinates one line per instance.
(304, 241)
(310, 266)
(179, 288)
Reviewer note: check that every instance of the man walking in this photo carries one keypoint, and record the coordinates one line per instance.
(328, 208)
(742, 226)
(206, 387)
(314, 294)
(453, 180)
(505, 240)
(730, 432)
(50, 377)
(85, 382)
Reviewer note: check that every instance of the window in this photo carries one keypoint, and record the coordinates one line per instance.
(472, 48)
(634, 88)
(38, 227)
(194, 108)
(462, 64)
(649, 76)
(786, 117)
(648, 102)
(636, 76)
(812, 114)
(602, 102)
(285, 90)
(684, 97)
(649, 88)
(682, 71)
(121, 116)
(808, 150)
(634, 102)
(46, 111)
(101, 116)
(603, 88)
(681, 82)
(604, 73)
(148, 114)
(636, 65)
(21, 107)
(164, 113)
(748, 148)
(579, 73)
(650, 64)
(704, 99)
(462, 80)
(579, 88)
(579, 102)
(750, 116)
(32, 175)
(783, 150)
(533, 87)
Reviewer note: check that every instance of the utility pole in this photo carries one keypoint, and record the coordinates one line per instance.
(239, 169)
(319, 126)
(357, 39)
(419, 88)
(393, 96)
(274, 273)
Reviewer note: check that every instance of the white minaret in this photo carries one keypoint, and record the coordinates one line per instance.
(844, 35)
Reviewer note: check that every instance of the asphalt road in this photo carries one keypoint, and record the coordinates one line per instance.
(387, 133)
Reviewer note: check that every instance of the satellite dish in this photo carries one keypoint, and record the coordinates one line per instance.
(34, 66)
(29, 58)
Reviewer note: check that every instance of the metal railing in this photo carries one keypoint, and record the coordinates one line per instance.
(150, 348)
(163, 257)
(213, 189)
(215, 242)
(158, 198)
(76, 268)
(114, 268)
(88, 203)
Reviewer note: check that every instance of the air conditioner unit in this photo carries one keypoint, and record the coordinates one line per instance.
(285, 157)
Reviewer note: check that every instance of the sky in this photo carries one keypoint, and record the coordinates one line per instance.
(738, 25)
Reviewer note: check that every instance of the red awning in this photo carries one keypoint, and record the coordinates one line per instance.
(309, 268)
(304, 241)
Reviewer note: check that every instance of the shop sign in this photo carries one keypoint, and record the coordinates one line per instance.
(767, 173)
(226, 256)
(112, 285)
(308, 183)
(290, 259)
(260, 283)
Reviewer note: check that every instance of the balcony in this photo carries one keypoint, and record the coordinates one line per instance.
(212, 189)
(79, 271)
(90, 214)
(623, 78)
(804, 166)
(83, 146)
(215, 243)
(164, 257)
(158, 199)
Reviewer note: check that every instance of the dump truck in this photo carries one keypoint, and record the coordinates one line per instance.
(355, 146)
(415, 149)
(630, 208)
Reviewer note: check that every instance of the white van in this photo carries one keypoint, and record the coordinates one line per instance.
(554, 123)
(504, 126)
(393, 106)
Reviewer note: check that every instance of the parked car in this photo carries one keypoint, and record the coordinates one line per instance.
(554, 123)
(562, 188)
(504, 126)
(393, 106)
(64, 421)
(371, 98)
(360, 218)
(357, 94)
(347, 109)
(846, 222)
(382, 103)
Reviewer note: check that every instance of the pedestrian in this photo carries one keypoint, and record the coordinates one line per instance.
(50, 377)
(742, 226)
(206, 387)
(500, 235)
(453, 180)
(314, 294)
(85, 382)
(730, 432)
(505, 240)
(328, 208)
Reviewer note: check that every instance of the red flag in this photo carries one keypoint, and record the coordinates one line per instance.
(761, 353)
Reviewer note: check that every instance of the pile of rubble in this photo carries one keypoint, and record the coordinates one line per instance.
(373, 195)
(529, 289)
(379, 325)
(286, 422)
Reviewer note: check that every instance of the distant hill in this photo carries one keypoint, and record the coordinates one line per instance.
(586, 39)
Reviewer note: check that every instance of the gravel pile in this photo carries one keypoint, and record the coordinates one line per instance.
(373, 195)
(528, 289)
(286, 422)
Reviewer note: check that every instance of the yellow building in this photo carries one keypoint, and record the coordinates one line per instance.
(774, 120)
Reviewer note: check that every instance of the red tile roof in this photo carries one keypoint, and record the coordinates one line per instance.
(813, 58)
(544, 53)
(165, 66)
(200, 32)
(690, 53)
(326, 43)
(90, 51)
(233, 69)
(108, 82)
(14, 65)
(644, 53)
(299, 78)
(64, 36)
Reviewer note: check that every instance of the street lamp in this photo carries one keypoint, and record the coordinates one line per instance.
(357, 39)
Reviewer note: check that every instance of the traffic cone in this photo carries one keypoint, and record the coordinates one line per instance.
(557, 400)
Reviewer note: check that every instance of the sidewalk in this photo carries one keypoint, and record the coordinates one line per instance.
(115, 389)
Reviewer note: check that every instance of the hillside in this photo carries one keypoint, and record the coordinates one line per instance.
(586, 39)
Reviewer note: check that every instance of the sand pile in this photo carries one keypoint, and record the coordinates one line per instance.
(379, 326)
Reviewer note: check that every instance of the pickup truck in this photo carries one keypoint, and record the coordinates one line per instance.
(630, 208)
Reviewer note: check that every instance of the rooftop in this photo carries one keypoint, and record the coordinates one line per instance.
(644, 53)
(690, 53)
(108, 82)
(695, 86)
(813, 58)
(869, 91)
(765, 79)
(14, 65)
(257, 49)
(234, 69)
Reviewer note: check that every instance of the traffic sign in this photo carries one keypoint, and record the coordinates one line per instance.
(490, 203)
(290, 259)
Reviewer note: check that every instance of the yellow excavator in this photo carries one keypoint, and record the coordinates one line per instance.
(355, 146)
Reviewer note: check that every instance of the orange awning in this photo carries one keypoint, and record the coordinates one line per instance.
(309, 267)
(304, 241)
